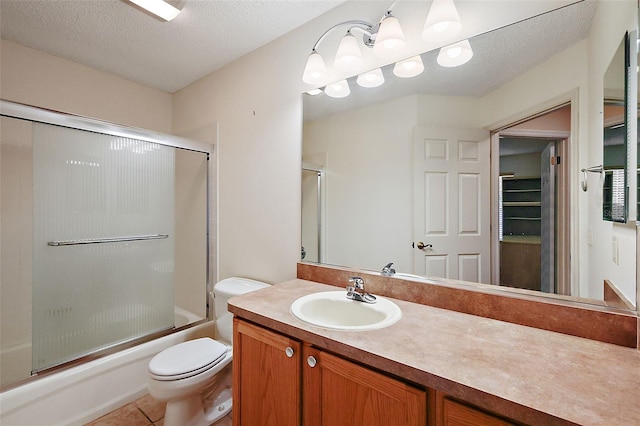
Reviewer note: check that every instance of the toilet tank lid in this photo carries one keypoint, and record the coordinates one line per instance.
(235, 285)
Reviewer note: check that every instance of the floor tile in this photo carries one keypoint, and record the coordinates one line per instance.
(153, 408)
(128, 415)
(225, 421)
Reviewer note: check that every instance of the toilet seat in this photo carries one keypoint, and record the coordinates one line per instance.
(187, 359)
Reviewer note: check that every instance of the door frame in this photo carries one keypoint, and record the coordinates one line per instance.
(566, 273)
(562, 272)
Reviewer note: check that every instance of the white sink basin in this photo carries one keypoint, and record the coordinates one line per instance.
(332, 309)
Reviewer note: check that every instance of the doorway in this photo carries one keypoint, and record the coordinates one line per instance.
(531, 175)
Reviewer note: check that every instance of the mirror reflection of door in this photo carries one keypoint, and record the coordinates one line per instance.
(451, 193)
(533, 202)
(311, 214)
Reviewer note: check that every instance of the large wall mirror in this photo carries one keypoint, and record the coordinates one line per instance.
(436, 172)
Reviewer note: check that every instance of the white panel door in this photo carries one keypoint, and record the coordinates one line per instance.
(452, 203)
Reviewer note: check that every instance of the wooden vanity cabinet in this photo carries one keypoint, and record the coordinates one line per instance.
(276, 386)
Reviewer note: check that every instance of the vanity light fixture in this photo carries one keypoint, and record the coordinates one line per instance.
(314, 92)
(385, 37)
(387, 40)
(455, 54)
(339, 89)
(373, 78)
(409, 67)
(159, 8)
(443, 22)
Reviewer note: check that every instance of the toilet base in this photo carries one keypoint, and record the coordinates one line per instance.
(185, 412)
(190, 411)
(220, 407)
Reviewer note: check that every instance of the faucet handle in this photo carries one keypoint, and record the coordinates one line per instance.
(387, 271)
(357, 282)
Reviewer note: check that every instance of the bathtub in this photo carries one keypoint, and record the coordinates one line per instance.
(83, 393)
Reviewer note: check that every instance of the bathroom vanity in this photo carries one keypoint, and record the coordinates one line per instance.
(432, 367)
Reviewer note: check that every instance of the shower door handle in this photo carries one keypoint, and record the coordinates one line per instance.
(107, 240)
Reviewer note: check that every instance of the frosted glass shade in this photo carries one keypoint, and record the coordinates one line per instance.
(339, 89)
(455, 54)
(373, 78)
(348, 56)
(390, 38)
(315, 72)
(409, 67)
(443, 22)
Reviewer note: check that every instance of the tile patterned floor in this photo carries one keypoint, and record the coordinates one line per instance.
(145, 411)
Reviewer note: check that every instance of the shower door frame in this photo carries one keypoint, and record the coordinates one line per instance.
(35, 114)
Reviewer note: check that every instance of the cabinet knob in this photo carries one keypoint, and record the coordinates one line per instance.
(289, 351)
(311, 361)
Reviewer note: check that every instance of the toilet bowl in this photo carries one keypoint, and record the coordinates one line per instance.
(194, 377)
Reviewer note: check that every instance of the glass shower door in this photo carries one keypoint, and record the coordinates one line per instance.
(103, 242)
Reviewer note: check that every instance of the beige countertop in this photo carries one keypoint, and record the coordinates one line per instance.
(530, 375)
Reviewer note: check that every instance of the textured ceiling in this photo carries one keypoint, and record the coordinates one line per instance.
(116, 37)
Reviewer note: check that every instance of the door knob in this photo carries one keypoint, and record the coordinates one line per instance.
(311, 361)
(422, 246)
(289, 351)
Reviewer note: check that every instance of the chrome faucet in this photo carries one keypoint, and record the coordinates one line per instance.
(356, 291)
(387, 271)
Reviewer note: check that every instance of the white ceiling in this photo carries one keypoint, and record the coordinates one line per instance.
(116, 37)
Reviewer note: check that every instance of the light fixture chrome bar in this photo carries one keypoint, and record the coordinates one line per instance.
(107, 240)
(363, 25)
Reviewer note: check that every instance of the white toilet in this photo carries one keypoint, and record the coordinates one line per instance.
(194, 377)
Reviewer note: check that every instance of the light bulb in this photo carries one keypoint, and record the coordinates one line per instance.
(390, 38)
(339, 89)
(348, 56)
(373, 78)
(409, 67)
(443, 22)
(455, 54)
(315, 72)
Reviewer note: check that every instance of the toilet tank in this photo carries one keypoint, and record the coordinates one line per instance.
(222, 292)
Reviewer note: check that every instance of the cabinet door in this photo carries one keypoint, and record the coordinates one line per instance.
(337, 392)
(454, 413)
(266, 377)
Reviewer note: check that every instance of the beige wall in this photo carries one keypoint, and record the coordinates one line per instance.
(35, 78)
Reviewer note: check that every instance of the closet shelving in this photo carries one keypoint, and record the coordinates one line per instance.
(521, 212)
